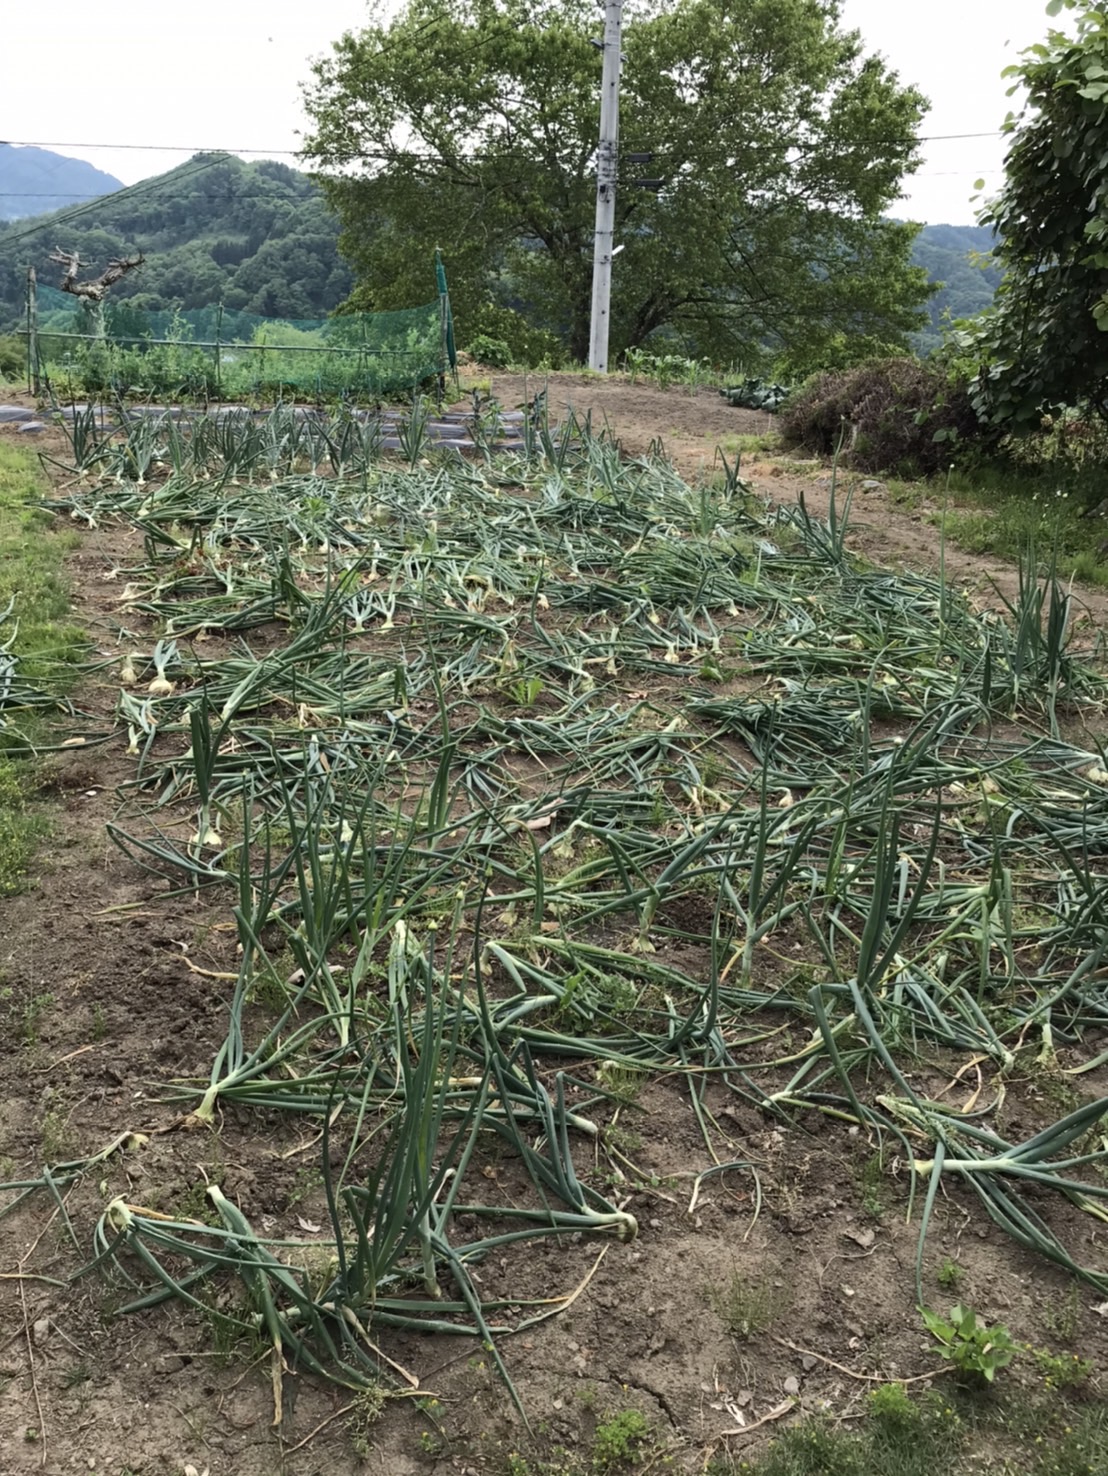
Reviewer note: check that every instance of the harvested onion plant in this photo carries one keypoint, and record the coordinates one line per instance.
(519, 774)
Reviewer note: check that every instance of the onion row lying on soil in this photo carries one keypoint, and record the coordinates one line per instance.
(532, 764)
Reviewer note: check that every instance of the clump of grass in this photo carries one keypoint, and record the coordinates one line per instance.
(21, 827)
(1032, 494)
(900, 1436)
(748, 1305)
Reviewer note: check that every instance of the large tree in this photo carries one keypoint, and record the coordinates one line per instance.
(472, 124)
(1045, 345)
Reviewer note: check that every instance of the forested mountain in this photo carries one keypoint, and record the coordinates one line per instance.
(960, 258)
(33, 181)
(257, 237)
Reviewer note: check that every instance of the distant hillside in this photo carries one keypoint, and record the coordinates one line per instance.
(33, 181)
(257, 237)
(946, 253)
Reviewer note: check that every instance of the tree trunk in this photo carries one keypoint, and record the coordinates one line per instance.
(579, 335)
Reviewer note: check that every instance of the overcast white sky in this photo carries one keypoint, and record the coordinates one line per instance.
(216, 74)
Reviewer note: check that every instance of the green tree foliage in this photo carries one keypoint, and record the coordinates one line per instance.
(780, 145)
(1046, 344)
(257, 237)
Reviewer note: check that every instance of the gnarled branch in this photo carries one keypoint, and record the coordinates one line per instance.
(95, 288)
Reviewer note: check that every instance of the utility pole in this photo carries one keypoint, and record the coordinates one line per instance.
(607, 170)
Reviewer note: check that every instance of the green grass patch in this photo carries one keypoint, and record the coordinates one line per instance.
(31, 555)
(936, 1433)
(1000, 508)
(46, 646)
(745, 444)
(1002, 517)
(22, 825)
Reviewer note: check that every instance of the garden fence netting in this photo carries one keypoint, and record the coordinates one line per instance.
(214, 351)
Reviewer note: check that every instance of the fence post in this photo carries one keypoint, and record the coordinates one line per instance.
(447, 351)
(32, 332)
(218, 352)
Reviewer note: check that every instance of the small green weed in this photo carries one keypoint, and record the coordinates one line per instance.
(34, 1011)
(307, 1182)
(748, 1307)
(949, 1275)
(526, 691)
(971, 1346)
(1061, 1370)
(873, 1182)
(367, 1409)
(57, 1142)
(1063, 1317)
(622, 1083)
(618, 1441)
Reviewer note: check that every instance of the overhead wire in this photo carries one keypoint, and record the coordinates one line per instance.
(367, 154)
(142, 188)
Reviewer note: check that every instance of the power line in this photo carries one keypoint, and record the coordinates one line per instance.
(144, 187)
(231, 195)
(299, 153)
(39, 143)
(171, 195)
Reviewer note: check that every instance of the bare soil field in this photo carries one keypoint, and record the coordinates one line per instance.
(773, 1273)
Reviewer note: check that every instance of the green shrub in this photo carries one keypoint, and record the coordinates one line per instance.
(892, 415)
(13, 359)
(530, 347)
(494, 353)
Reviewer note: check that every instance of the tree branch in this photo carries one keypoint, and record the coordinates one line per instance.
(94, 289)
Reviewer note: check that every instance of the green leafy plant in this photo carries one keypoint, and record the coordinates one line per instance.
(971, 1346)
(1043, 346)
(526, 691)
(494, 353)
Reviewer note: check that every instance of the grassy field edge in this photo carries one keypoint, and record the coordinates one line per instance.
(38, 641)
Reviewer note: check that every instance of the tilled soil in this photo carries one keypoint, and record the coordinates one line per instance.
(791, 1275)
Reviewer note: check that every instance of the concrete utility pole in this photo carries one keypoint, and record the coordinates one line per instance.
(607, 170)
